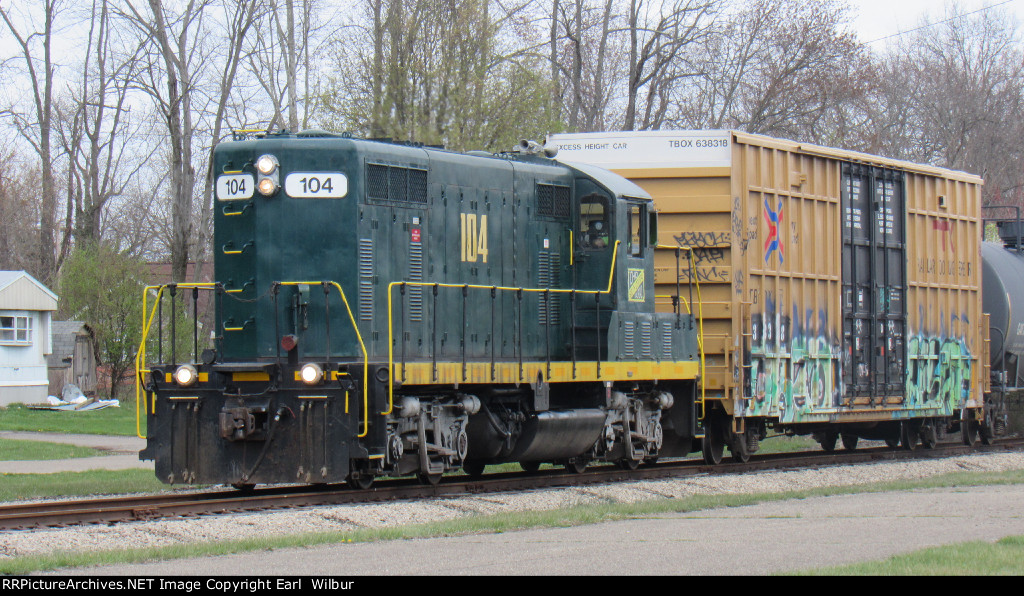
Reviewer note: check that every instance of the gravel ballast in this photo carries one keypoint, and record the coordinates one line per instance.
(352, 517)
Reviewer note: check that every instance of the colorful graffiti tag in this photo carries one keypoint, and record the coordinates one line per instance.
(773, 242)
(794, 369)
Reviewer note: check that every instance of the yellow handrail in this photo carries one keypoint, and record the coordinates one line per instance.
(362, 346)
(140, 356)
(700, 318)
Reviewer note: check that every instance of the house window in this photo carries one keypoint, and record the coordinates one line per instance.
(16, 330)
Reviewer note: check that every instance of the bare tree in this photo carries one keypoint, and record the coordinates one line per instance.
(174, 56)
(659, 36)
(37, 129)
(94, 126)
(777, 67)
(460, 73)
(282, 59)
(19, 210)
(952, 94)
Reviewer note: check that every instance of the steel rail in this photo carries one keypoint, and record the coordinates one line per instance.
(108, 510)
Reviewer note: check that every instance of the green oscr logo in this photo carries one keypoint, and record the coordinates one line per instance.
(635, 279)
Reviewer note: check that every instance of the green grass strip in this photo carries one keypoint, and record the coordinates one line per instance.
(1004, 557)
(502, 522)
(17, 487)
(18, 450)
(108, 421)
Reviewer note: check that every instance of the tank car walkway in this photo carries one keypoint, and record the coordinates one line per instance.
(123, 453)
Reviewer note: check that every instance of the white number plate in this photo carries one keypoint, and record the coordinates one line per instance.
(235, 186)
(316, 185)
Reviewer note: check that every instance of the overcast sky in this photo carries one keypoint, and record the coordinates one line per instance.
(881, 18)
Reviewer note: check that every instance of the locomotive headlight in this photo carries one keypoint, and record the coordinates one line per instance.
(266, 164)
(186, 375)
(267, 186)
(311, 374)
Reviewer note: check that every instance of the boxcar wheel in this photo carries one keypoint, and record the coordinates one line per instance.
(739, 450)
(929, 437)
(713, 448)
(969, 432)
(849, 442)
(430, 479)
(892, 442)
(987, 430)
(242, 486)
(909, 433)
(828, 440)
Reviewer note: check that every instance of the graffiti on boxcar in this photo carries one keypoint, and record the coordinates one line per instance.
(707, 255)
(703, 239)
(773, 242)
(940, 367)
(705, 274)
(794, 363)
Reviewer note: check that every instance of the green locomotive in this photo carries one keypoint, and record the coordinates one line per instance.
(393, 309)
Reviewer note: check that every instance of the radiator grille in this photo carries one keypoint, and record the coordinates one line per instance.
(548, 267)
(415, 274)
(366, 279)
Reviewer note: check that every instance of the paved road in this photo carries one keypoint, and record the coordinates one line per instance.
(124, 453)
(753, 540)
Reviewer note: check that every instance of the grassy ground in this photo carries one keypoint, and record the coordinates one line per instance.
(955, 560)
(108, 421)
(19, 487)
(12, 450)
(1004, 557)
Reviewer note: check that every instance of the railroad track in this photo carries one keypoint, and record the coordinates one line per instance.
(109, 510)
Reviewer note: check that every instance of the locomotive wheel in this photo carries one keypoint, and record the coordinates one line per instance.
(474, 469)
(429, 479)
(577, 465)
(529, 466)
(849, 442)
(359, 481)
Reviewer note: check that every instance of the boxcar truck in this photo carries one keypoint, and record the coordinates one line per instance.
(839, 292)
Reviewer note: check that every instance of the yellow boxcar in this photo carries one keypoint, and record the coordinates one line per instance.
(839, 291)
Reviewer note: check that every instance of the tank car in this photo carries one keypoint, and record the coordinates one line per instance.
(841, 291)
(1003, 299)
(392, 309)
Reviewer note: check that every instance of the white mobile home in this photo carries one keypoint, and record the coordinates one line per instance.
(26, 306)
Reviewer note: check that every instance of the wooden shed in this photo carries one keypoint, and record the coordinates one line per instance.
(74, 358)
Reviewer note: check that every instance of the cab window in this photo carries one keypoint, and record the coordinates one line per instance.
(637, 229)
(594, 222)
